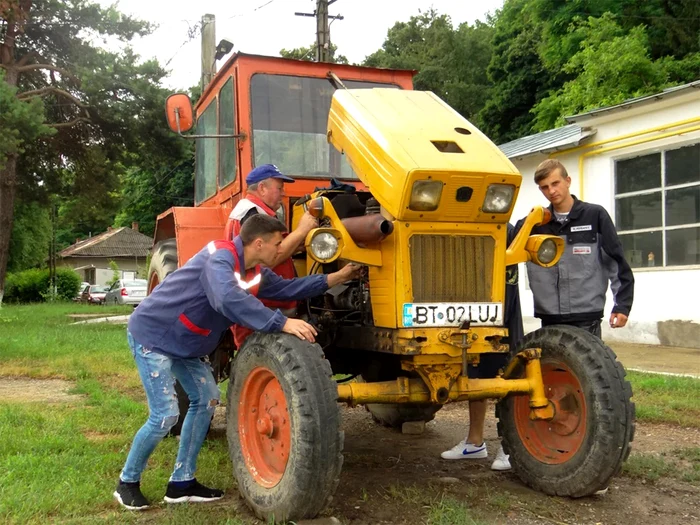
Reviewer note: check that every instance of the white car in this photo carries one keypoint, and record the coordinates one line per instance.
(126, 291)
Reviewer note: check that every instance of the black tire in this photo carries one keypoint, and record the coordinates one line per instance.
(573, 455)
(163, 262)
(312, 470)
(393, 415)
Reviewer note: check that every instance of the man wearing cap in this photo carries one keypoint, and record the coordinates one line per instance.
(265, 191)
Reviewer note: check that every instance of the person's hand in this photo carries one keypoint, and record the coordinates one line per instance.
(301, 329)
(307, 223)
(617, 320)
(346, 273)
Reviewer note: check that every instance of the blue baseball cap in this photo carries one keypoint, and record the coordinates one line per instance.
(266, 171)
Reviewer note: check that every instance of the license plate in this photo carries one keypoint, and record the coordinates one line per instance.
(452, 314)
(138, 294)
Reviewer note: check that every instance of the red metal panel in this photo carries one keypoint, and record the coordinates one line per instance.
(195, 227)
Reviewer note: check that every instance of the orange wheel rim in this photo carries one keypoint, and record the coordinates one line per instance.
(556, 441)
(263, 427)
(153, 282)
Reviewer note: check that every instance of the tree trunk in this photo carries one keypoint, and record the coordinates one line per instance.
(8, 180)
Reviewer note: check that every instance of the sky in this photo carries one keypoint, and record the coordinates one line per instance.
(266, 26)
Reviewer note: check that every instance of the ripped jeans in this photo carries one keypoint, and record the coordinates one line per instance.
(158, 374)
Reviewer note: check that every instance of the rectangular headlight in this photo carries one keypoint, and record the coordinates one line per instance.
(425, 195)
(498, 198)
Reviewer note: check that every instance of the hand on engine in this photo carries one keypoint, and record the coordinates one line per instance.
(346, 273)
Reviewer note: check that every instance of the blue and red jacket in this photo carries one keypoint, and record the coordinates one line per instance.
(188, 313)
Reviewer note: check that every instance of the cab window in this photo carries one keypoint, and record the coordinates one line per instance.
(290, 116)
(205, 163)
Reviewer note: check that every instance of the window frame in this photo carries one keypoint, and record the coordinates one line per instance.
(342, 155)
(219, 180)
(214, 103)
(663, 188)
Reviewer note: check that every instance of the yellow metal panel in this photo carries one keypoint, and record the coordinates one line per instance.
(404, 231)
(393, 137)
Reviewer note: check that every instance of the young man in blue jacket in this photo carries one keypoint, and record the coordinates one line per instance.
(183, 321)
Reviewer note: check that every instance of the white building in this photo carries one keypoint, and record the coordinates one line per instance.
(640, 160)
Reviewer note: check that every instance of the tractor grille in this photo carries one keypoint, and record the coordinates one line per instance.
(447, 268)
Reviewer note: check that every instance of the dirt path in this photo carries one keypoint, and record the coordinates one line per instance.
(389, 477)
(669, 359)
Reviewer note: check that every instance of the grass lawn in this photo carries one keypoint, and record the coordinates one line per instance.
(666, 399)
(59, 461)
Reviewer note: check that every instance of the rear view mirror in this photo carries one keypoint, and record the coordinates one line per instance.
(178, 111)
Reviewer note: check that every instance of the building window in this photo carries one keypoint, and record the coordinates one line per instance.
(657, 207)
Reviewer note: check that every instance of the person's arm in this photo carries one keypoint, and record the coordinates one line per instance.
(226, 296)
(295, 239)
(623, 291)
(275, 287)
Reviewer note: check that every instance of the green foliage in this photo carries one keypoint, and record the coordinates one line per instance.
(611, 66)
(450, 62)
(535, 41)
(31, 236)
(27, 286)
(309, 54)
(33, 286)
(21, 121)
(116, 273)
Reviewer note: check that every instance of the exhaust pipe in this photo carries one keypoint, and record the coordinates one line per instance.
(368, 228)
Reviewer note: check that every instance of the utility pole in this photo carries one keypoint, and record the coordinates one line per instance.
(323, 32)
(208, 49)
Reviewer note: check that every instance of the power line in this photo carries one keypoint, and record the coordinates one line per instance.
(253, 11)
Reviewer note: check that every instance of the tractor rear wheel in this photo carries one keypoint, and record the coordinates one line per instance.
(283, 427)
(577, 452)
(163, 262)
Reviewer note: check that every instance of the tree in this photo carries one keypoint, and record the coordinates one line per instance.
(31, 235)
(536, 39)
(451, 63)
(105, 108)
(309, 54)
(610, 67)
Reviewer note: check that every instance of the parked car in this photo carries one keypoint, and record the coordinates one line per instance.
(94, 294)
(126, 291)
(79, 295)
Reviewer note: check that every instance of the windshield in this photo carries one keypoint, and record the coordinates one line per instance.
(98, 289)
(290, 117)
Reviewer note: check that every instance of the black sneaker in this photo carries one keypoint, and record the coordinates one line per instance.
(195, 492)
(129, 496)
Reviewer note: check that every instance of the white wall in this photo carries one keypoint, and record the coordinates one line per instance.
(661, 294)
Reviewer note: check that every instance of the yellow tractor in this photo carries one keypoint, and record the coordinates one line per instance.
(429, 224)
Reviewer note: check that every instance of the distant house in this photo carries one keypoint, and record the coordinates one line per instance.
(640, 160)
(91, 257)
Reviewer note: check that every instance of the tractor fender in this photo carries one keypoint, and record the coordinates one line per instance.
(192, 228)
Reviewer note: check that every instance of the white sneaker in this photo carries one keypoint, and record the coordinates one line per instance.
(502, 461)
(464, 450)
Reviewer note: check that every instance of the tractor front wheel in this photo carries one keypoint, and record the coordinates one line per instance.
(578, 451)
(283, 427)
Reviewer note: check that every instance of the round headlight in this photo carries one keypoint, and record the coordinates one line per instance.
(324, 246)
(547, 251)
(498, 198)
